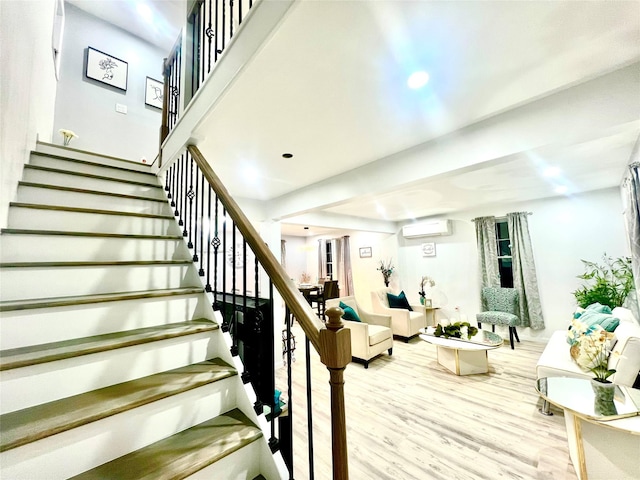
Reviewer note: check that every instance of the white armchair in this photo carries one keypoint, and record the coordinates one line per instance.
(404, 323)
(371, 336)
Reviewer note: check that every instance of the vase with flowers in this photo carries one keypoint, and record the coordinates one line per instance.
(425, 281)
(67, 135)
(387, 271)
(593, 347)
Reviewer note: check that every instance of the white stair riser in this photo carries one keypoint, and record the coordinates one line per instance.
(95, 158)
(242, 464)
(60, 248)
(75, 451)
(23, 387)
(36, 326)
(37, 219)
(47, 282)
(95, 169)
(49, 196)
(74, 181)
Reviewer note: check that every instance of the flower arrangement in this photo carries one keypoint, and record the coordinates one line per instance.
(305, 277)
(68, 135)
(589, 348)
(461, 330)
(387, 271)
(424, 282)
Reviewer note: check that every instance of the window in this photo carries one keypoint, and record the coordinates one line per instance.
(329, 260)
(504, 254)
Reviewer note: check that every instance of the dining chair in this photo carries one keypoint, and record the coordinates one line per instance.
(329, 291)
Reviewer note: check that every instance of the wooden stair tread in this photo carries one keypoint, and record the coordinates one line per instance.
(62, 208)
(94, 164)
(24, 231)
(92, 192)
(49, 352)
(121, 263)
(182, 454)
(13, 305)
(41, 421)
(153, 184)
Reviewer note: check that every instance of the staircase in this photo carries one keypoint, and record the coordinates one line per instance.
(112, 364)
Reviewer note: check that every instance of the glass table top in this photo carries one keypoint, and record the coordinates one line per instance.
(577, 395)
(483, 337)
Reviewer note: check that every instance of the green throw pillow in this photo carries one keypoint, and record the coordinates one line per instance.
(399, 301)
(349, 313)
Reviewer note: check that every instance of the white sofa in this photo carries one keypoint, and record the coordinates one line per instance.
(371, 336)
(556, 360)
(404, 323)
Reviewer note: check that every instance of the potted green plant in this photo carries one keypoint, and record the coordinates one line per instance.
(609, 283)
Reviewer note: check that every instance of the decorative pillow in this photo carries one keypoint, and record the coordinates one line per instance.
(597, 307)
(591, 347)
(399, 301)
(606, 321)
(349, 313)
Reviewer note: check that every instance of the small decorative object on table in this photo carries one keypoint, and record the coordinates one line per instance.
(387, 271)
(305, 278)
(67, 135)
(461, 330)
(424, 282)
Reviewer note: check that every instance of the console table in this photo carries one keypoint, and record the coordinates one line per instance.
(600, 446)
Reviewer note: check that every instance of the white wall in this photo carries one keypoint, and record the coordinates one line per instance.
(88, 107)
(27, 88)
(296, 258)
(563, 231)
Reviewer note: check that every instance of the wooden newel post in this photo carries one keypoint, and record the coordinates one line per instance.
(335, 348)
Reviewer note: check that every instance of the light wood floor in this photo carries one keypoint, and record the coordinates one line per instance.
(410, 419)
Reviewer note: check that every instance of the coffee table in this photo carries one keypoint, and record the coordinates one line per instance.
(463, 357)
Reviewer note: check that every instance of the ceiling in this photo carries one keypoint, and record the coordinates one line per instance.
(515, 87)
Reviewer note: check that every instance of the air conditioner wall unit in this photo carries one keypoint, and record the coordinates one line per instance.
(427, 229)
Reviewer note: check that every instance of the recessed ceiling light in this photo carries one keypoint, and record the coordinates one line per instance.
(562, 189)
(287, 155)
(551, 172)
(306, 228)
(418, 79)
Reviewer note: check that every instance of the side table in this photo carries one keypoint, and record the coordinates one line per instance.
(600, 446)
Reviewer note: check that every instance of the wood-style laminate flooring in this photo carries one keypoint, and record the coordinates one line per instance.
(410, 419)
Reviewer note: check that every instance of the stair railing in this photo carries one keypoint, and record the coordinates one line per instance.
(223, 242)
(210, 26)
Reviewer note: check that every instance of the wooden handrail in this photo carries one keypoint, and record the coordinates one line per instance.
(300, 308)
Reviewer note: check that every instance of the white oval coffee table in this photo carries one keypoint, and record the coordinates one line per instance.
(463, 357)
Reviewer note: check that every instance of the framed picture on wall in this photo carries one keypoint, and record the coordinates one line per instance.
(428, 249)
(153, 92)
(107, 69)
(365, 252)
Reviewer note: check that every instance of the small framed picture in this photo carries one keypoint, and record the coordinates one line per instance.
(365, 252)
(427, 302)
(428, 249)
(107, 69)
(153, 93)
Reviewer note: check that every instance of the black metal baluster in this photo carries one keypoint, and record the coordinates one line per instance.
(289, 433)
(194, 216)
(224, 26)
(239, 12)
(201, 271)
(209, 242)
(167, 172)
(274, 444)
(190, 195)
(309, 406)
(234, 337)
(201, 46)
(258, 406)
(217, 34)
(210, 33)
(230, 19)
(225, 324)
(178, 189)
(245, 374)
(216, 245)
(183, 196)
(174, 169)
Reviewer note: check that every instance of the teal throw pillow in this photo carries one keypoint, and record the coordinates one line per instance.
(606, 321)
(349, 313)
(399, 301)
(596, 307)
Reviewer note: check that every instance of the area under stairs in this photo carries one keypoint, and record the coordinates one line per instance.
(112, 364)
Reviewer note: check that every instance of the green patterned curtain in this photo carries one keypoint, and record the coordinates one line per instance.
(631, 188)
(487, 253)
(525, 280)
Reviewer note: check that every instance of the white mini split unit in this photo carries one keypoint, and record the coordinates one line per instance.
(427, 229)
